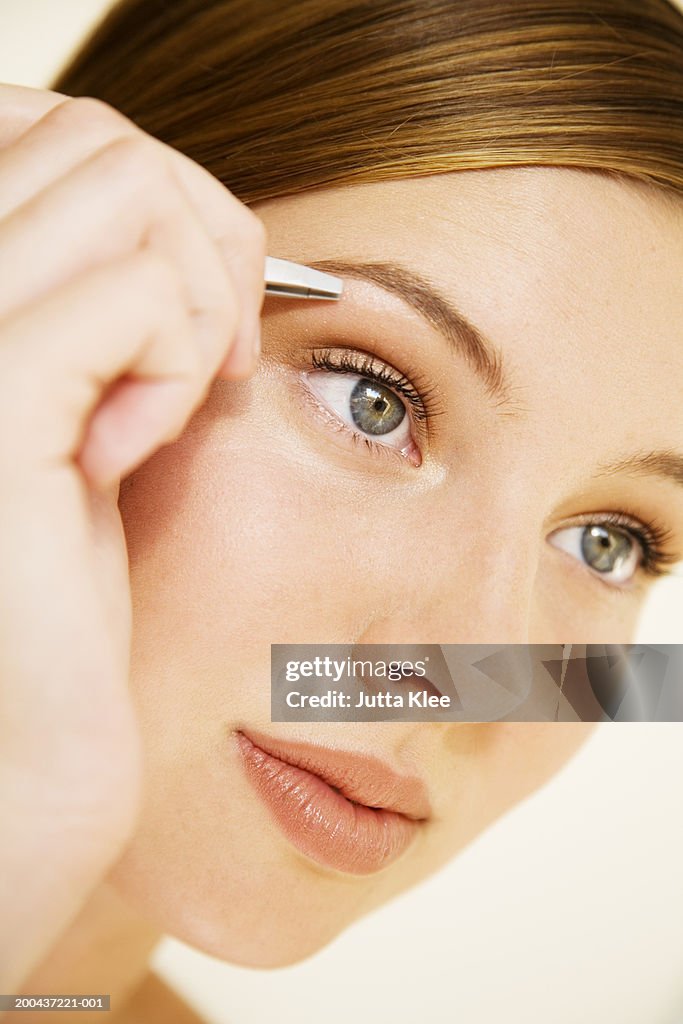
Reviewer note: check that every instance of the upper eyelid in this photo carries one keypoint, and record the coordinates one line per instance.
(649, 537)
(637, 583)
(633, 587)
(417, 427)
(361, 376)
(356, 436)
(425, 387)
(430, 401)
(464, 339)
(412, 400)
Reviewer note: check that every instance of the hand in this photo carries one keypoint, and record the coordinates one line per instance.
(130, 278)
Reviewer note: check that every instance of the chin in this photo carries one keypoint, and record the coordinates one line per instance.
(263, 854)
(272, 941)
(262, 915)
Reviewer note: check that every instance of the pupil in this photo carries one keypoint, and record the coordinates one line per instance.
(374, 408)
(605, 548)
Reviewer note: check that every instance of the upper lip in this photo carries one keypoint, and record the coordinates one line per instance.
(361, 778)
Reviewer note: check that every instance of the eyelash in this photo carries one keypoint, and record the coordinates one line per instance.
(651, 536)
(422, 401)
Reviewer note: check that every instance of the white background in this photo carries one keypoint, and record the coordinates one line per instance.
(569, 909)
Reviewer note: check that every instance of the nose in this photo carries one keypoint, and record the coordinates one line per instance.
(479, 593)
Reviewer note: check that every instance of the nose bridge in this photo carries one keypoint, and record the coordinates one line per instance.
(476, 588)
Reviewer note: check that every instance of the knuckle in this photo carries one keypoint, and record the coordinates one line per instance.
(88, 112)
(161, 284)
(137, 160)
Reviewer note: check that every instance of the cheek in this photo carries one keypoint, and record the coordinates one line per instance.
(518, 757)
(481, 770)
(237, 540)
(220, 543)
(240, 535)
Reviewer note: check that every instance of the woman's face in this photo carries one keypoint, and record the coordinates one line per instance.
(466, 517)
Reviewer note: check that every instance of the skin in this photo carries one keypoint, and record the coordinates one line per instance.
(263, 524)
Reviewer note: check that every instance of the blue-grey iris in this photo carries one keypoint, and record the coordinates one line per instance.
(604, 548)
(375, 409)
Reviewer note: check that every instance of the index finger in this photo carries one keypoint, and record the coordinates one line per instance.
(21, 107)
(237, 231)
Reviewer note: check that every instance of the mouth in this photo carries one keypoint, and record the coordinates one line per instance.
(344, 810)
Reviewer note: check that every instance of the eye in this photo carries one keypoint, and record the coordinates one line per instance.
(612, 552)
(375, 409)
(370, 408)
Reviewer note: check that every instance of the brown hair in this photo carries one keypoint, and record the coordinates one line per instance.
(278, 96)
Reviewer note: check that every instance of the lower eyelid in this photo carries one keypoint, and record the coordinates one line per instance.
(634, 587)
(651, 537)
(584, 573)
(339, 426)
(421, 402)
(342, 381)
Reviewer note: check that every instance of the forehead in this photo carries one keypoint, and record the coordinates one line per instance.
(575, 276)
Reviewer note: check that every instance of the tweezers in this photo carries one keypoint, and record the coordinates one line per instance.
(283, 277)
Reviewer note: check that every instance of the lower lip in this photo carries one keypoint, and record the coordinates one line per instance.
(320, 822)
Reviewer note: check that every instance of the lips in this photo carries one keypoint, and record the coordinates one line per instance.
(346, 811)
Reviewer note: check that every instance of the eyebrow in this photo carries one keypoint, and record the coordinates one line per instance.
(465, 339)
(667, 465)
(478, 350)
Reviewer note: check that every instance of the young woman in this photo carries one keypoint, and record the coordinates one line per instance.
(175, 502)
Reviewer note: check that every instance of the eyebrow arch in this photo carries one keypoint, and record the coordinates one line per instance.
(463, 336)
(665, 464)
(469, 342)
